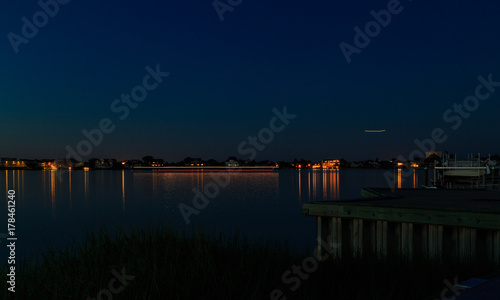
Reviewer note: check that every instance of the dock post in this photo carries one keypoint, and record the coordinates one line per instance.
(397, 238)
(455, 243)
(329, 232)
(379, 238)
(373, 236)
(467, 243)
(357, 237)
(435, 241)
(492, 246)
(407, 240)
(493, 177)
(321, 235)
(425, 240)
(496, 247)
(382, 237)
(336, 237)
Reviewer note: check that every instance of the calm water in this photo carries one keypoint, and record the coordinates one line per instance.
(261, 205)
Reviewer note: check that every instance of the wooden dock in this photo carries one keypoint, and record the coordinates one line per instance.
(458, 224)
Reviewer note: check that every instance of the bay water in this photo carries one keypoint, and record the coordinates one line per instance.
(53, 211)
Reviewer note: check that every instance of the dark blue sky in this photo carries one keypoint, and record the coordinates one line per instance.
(226, 77)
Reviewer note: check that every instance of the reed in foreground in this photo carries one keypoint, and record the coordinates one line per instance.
(164, 264)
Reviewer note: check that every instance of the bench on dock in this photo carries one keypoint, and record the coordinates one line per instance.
(462, 224)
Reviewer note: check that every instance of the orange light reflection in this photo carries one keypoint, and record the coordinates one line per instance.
(123, 189)
(400, 179)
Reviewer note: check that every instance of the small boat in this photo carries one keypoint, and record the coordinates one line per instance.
(466, 171)
(472, 172)
(465, 168)
(426, 187)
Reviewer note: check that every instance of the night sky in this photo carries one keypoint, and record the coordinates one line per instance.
(226, 77)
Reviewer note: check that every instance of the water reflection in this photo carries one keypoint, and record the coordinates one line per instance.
(308, 186)
(123, 189)
(402, 176)
(323, 183)
(86, 183)
(171, 188)
(53, 186)
(168, 185)
(69, 180)
(144, 197)
(199, 179)
(314, 181)
(325, 189)
(415, 179)
(16, 180)
(300, 187)
(400, 181)
(334, 184)
(44, 183)
(154, 176)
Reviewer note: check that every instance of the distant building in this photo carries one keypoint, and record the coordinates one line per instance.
(132, 163)
(157, 163)
(7, 162)
(330, 163)
(267, 163)
(193, 162)
(437, 153)
(103, 163)
(232, 163)
(45, 164)
(61, 164)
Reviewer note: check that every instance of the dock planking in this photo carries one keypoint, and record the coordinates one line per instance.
(463, 224)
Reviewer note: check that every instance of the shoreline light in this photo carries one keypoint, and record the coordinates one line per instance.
(374, 130)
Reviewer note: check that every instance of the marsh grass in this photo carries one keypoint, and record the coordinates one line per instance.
(171, 265)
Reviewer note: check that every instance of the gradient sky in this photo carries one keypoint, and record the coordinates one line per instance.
(226, 77)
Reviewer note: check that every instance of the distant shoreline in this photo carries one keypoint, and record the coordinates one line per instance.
(204, 168)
